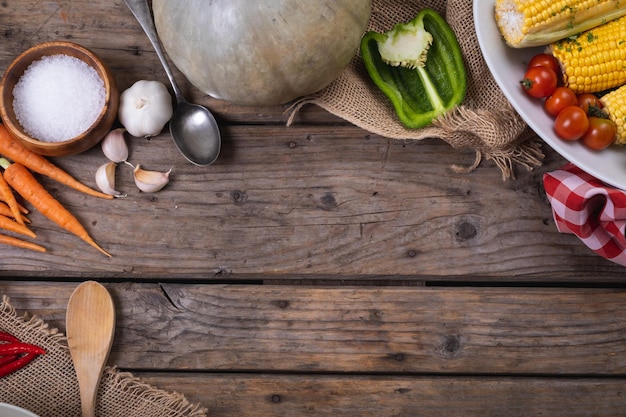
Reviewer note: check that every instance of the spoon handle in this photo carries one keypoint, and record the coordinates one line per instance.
(141, 11)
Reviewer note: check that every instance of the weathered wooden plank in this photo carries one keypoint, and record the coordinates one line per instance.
(401, 330)
(329, 201)
(366, 396)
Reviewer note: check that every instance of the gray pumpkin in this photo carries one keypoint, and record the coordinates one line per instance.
(261, 52)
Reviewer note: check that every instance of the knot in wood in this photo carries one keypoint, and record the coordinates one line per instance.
(328, 201)
(466, 231)
(238, 197)
(450, 346)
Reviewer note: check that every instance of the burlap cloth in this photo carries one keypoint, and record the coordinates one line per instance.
(49, 388)
(485, 122)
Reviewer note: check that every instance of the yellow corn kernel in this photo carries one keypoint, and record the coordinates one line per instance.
(594, 60)
(525, 23)
(615, 105)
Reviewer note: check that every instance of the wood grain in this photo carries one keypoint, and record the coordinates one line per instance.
(375, 330)
(396, 396)
(331, 202)
(368, 351)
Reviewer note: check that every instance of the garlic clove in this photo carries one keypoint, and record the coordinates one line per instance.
(114, 145)
(105, 178)
(150, 181)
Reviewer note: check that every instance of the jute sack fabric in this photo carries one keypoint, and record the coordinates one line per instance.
(485, 122)
(49, 388)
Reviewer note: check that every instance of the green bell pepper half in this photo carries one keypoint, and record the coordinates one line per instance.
(419, 89)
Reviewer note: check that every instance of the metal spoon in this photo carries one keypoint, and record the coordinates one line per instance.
(193, 127)
(90, 325)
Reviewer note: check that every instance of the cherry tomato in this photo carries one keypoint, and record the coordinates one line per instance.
(571, 123)
(546, 60)
(560, 99)
(600, 134)
(539, 82)
(590, 104)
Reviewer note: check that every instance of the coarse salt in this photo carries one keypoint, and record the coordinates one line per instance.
(58, 97)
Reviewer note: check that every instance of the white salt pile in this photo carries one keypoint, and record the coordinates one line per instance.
(58, 97)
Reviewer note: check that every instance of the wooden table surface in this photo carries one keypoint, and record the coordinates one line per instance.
(321, 270)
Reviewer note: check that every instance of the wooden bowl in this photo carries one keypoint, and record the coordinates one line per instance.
(85, 140)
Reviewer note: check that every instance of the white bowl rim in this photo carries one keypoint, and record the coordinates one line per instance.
(17, 411)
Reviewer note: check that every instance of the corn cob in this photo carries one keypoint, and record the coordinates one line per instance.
(525, 23)
(614, 104)
(594, 60)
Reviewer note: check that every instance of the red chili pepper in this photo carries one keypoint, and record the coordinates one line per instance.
(20, 347)
(17, 364)
(7, 337)
(6, 359)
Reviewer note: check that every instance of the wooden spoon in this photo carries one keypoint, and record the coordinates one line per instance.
(90, 323)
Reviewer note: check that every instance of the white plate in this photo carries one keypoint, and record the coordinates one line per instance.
(508, 66)
(8, 410)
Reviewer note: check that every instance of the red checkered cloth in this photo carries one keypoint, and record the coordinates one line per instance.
(588, 208)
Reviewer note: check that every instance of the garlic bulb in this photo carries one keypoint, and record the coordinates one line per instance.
(145, 108)
(114, 146)
(105, 178)
(150, 181)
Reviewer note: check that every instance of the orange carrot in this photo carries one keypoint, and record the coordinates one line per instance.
(23, 181)
(23, 209)
(7, 223)
(9, 197)
(6, 211)
(16, 152)
(13, 241)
